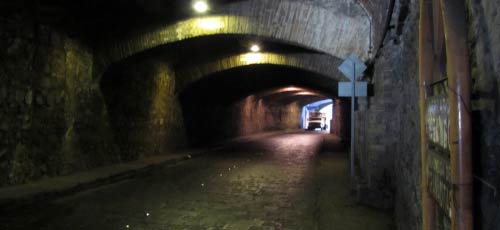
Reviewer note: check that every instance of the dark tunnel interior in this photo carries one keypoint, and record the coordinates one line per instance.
(210, 114)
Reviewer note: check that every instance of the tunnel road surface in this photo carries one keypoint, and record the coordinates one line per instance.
(277, 181)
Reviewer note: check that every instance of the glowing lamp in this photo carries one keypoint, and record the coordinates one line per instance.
(200, 6)
(255, 48)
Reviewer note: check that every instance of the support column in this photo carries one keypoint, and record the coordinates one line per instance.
(426, 63)
(459, 83)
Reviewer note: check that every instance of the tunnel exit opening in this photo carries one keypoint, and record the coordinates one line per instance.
(318, 116)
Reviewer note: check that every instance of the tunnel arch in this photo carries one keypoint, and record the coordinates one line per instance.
(296, 23)
(320, 64)
(314, 26)
(234, 98)
(244, 80)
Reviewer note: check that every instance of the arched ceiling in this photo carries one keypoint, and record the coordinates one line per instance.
(319, 64)
(335, 27)
(328, 30)
(285, 95)
(230, 85)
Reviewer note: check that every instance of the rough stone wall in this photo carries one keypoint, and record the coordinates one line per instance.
(50, 116)
(257, 116)
(209, 123)
(56, 119)
(388, 123)
(145, 115)
(408, 154)
(395, 106)
(484, 37)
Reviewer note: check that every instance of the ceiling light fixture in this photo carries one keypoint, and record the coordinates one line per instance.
(255, 48)
(200, 6)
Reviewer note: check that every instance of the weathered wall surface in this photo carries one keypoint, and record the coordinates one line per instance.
(215, 122)
(56, 119)
(51, 121)
(145, 115)
(257, 116)
(388, 123)
(484, 37)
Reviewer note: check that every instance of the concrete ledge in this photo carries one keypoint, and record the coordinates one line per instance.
(51, 188)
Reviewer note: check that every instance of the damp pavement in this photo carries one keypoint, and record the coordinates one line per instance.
(280, 181)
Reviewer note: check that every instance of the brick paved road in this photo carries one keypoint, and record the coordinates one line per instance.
(276, 182)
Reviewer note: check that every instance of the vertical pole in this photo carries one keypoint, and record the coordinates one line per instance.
(334, 107)
(353, 98)
(426, 64)
(459, 83)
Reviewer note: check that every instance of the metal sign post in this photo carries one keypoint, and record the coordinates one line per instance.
(353, 101)
(352, 68)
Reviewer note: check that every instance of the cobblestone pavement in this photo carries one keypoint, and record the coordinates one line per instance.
(276, 182)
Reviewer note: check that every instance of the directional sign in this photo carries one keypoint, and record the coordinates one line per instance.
(345, 89)
(352, 64)
(352, 68)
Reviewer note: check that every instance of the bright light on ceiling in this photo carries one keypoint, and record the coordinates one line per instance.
(306, 94)
(291, 88)
(255, 48)
(200, 6)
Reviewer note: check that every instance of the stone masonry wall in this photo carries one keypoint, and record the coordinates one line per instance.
(395, 105)
(55, 116)
(145, 115)
(51, 120)
(484, 39)
(258, 116)
(388, 135)
(208, 123)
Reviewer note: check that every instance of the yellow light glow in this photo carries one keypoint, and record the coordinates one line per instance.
(255, 48)
(306, 94)
(200, 6)
(210, 23)
(252, 58)
(291, 88)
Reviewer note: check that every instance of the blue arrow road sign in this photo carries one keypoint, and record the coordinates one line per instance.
(352, 64)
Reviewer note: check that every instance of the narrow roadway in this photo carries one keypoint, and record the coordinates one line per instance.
(279, 181)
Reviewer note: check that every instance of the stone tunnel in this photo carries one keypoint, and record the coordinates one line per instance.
(194, 114)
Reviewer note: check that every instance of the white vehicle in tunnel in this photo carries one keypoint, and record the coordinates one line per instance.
(316, 120)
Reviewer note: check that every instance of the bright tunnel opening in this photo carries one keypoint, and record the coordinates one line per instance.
(317, 116)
